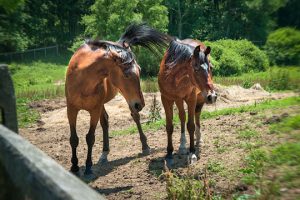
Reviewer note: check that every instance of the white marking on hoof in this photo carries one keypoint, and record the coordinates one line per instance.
(193, 158)
(103, 157)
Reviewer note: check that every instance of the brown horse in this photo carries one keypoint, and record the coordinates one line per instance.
(97, 71)
(185, 75)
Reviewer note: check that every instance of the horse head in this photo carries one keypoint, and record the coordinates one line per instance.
(201, 73)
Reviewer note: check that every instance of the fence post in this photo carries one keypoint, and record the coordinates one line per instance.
(57, 50)
(7, 100)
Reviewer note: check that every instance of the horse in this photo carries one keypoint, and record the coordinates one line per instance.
(97, 71)
(185, 75)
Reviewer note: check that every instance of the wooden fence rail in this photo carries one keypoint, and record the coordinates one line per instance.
(25, 171)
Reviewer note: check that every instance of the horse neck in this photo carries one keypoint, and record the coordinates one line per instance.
(177, 71)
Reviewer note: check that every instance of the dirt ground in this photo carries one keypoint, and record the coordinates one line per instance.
(130, 175)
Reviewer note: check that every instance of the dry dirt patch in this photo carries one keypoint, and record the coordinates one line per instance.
(128, 175)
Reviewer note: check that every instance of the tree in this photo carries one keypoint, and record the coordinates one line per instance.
(108, 19)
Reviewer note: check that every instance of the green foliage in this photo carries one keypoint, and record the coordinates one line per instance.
(247, 134)
(215, 167)
(154, 112)
(10, 5)
(268, 104)
(275, 78)
(149, 85)
(288, 154)
(26, 116)
(279, 80)
(189, 187)
(283, 46)
(212, 20)
(108, 19)
(255, 163)
(287, 125)
(38, 79)
(234, 57)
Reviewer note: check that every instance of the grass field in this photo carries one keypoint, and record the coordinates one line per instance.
(45, 79)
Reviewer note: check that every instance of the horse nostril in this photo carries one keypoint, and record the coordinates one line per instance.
(138, 106)
(209, 98)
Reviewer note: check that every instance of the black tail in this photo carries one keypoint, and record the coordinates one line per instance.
(145, 36)
(178, 53)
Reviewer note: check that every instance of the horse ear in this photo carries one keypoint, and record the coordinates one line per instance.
(197, 50)
(207, 50)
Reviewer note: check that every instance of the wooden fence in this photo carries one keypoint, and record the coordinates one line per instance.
(25, 171)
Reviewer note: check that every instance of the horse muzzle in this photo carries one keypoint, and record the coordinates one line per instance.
(211, 97)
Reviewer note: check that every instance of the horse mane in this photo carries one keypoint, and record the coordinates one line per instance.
(125, 55)
(178, 53)
(145, 36)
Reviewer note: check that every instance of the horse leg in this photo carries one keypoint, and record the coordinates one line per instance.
(168, 106)
(105, 126)
(182, 147)
(198, 109)
(143, 138)
(191, 126)
(90, 140)
(74, 140)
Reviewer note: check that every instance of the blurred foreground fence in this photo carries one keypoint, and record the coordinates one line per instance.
(25, 171)
(30, 54)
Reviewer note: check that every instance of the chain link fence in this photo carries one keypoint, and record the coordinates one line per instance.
(31, 54)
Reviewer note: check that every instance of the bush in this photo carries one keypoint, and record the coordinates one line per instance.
(233, 57)
(283, 46)
(148, 61)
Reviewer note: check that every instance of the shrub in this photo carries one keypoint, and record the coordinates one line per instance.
(233, 57)
(148, 61)
(283, 46)
(254, 58)
(279, 80)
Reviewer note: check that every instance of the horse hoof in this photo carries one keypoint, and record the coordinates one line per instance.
(74, 169)
(182, 151)
(193, 158)
(146, 151)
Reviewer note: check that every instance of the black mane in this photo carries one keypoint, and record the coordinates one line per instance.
(178, 53)
(125, 55)
(145, 36)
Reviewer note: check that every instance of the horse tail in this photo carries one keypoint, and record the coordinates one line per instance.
(145, 36)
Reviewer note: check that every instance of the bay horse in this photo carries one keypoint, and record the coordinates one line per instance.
(97, 71)
(185, 75)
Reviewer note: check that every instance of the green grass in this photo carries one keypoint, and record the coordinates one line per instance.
(38, 79)
(281, 160)
(35, 81)
(26, 116)
(276, 78)
(247, 134)
(286, 125)
(268, 104)
(215, 167)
